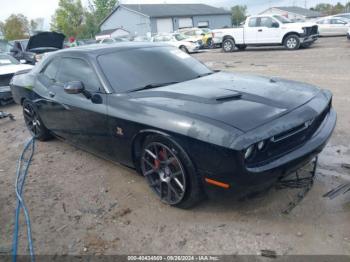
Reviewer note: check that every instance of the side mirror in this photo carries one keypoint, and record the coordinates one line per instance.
(74, 87)
(275, 25)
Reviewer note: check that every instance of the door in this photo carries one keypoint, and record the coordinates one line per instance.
(165, 25)
(324, 27)
(185, 22)
(268, 31)
(251, 30)
(339, 27)
(80, 120)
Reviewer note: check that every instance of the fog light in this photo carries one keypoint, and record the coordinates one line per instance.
(249, 152)
(261, 145)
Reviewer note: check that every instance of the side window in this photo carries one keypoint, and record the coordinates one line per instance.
(75, 69)
(51, 69)
(337, 22)
(266, 22)
(253, 22)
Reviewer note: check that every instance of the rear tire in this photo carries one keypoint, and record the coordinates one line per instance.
(228, 45)
(34, 123)
(170, 172)
(292, 42)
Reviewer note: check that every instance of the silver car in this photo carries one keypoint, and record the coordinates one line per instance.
(332, 26)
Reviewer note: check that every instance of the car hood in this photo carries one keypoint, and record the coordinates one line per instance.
(46, 40)
(241, 101)
(11, 69)
(299, 24)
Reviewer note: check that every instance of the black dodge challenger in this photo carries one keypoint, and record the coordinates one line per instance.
(187, 129)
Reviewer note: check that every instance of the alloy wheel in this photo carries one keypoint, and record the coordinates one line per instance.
(164, 172)
(31, 119)
(227, 46)
(292, 43)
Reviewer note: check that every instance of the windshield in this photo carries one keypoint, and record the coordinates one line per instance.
(133, 69)
(163, 38)
(179, 37)
(7, 60)
(282, 19)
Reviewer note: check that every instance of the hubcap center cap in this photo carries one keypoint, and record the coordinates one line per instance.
(164, 174)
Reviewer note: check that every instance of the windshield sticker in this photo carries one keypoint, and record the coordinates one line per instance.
(180, 54)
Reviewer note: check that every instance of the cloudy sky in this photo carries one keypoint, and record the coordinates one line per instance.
(45, 8)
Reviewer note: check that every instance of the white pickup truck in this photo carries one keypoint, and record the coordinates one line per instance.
(267, 30)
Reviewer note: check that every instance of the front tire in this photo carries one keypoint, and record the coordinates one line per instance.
(228, 45)
(169, 172)
(292, 42)
(34, 123)
(184, 49)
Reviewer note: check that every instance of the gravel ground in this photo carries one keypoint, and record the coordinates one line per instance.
(81, 204)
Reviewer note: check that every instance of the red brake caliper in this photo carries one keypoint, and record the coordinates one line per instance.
(156, 164)
(162, 156)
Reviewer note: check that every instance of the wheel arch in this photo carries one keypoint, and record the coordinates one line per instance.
(288, 34)
(137, 142)
(228, 37)
(139, 138)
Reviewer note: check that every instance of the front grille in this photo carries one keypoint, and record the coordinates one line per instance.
(313, 30)
(5, 79)
(287, 141)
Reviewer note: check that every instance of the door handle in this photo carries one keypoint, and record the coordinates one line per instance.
(51, 94)
(260, 30)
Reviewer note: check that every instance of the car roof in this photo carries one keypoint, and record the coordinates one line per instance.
(99, 49)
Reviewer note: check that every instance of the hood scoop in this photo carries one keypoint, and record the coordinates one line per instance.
(229, 97)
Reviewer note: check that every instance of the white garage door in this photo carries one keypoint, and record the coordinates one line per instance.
(185, 22)
(165, 25)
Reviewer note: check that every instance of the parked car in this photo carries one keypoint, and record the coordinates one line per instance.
(32, 50)
(18, 48)
(178, 41)
(142, 38)
(265, 30)
(203, 36)
(5, 46)
(348, 34)
(113, 40)
(8, 67)
(184, 127)
(332, 26)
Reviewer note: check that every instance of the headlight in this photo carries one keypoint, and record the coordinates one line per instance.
(261, 145)
(248, 153)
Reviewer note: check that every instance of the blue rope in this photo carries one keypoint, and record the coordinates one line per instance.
(21, 174)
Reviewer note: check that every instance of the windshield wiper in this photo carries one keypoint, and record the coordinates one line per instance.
(154, 85)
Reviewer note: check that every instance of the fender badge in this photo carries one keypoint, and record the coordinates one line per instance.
(119, 131)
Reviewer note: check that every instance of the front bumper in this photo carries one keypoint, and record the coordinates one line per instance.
(5, 95)
(248, 180)
(193, 49)
(309, 39)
